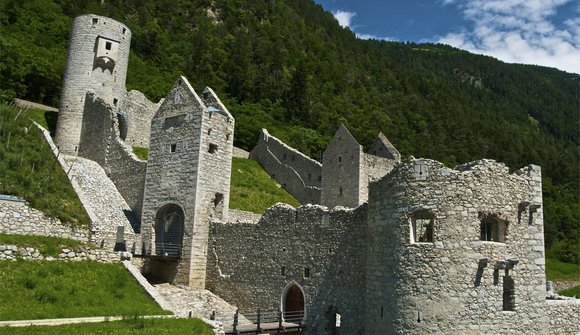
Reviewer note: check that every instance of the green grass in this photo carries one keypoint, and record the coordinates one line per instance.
(45, 290)
(142, 153)
(47, 246)
(556, 270)
(125, 327)
(571, 292)
(29, 169)
(253, 190)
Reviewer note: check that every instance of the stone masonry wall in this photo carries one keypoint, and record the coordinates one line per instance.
(563, 316)
(16, 217)
(139, 111)
(97, 61)
(12, 252)
(343, 183)
(454, 284)
(100, 142)
(253, 265)
(297, 173)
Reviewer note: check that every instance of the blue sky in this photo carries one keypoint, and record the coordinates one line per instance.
(542, 32)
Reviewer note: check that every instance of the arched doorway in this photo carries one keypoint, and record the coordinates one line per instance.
(293, 303)
(169, 230)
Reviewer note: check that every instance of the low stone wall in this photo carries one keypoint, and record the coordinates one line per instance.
(241, 153)
(236, 215)
(563, 316)
(13, 252)
(17, 217)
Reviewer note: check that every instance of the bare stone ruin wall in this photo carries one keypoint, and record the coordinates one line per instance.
(241, 153)
(236, 215)
(100, 142)
(563, 316)
(442, 286)
(18, 218)
(11, 252)
(297, 173)
(251, 265)
(82, 74)
(139, 111)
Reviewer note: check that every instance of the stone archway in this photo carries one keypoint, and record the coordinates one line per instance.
(169, 230)
(293, 303)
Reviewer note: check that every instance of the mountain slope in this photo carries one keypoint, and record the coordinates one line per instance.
(288, 66)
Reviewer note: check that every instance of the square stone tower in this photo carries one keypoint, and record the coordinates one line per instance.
(188, 181)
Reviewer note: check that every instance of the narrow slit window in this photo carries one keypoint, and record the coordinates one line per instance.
(508, 293)
(306, 272)
(173, 148)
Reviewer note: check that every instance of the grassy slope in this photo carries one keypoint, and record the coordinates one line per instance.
(129, 326)
(47, 246)
(29, 169)
(69, 289)
(253, 190)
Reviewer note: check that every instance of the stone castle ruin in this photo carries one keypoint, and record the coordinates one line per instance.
(392, 247)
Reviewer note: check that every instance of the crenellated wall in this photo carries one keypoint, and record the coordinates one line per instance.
(253, 265)
(297, 173)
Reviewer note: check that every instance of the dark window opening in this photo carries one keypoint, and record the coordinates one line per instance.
(492, 228)
(509, 296)
(340, 190)
(306, 272)
(108, 45)
(95, 21)
(283, 271)
(209, 131)
(173, 148)
(422, 225)
(212, 148)
(339, 159)
(115, 101)
(319, 178)
(124, 31)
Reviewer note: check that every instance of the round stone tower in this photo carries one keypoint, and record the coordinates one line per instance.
(97, 61)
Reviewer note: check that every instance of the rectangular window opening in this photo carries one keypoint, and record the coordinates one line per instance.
(422, 226)
(115, 101)
(306, 272)
(509, 296)
(283, 271)
(173, 148)
(108, 45)
(95, 20)
(212, 148)
(492, 228)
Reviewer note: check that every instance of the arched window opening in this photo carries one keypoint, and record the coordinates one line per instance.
(169, 231)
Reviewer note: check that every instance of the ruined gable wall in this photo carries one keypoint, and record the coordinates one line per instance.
(342, 180)
(297, 173)
(245, 263)
(100, 142)
(139, 111)
(433, 287)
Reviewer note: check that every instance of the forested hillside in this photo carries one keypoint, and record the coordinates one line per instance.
(288, 66)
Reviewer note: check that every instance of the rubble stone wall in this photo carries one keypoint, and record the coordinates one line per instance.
(297, 173)
(139, 112)
(253, 265)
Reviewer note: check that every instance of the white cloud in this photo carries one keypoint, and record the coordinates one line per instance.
(373, 37)
(518, 31)
(344, 18)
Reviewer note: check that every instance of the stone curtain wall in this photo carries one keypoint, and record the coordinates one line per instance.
(443, 286)
(297, 173)
(250, 265)
(563, 316)
(140, 112)
(101, 143)
(84, 72)
(236, 215)
(17, 218)
(241, 153)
